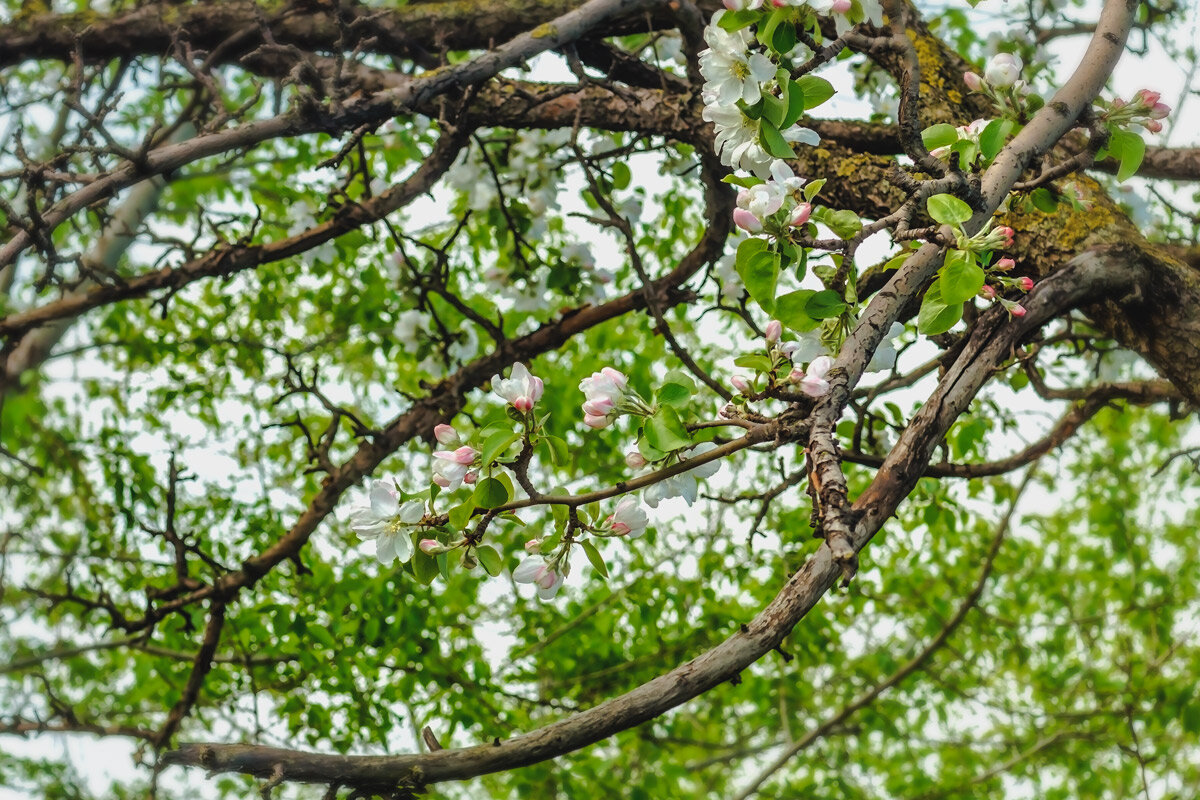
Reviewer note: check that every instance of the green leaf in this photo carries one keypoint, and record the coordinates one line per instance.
(424, 567)
(460, 515)
(773, 141)
(754, 361)
(816, 90)
(1043, 200)
(825, 304)
(936, 315)
(550, 541)
(961, 277)
(774, 110)
(759, 272)
(322, 635)
(948, 209)
(745, 181)
(673, 394)
(490, 493)
(560, 454)
(489, 559)
(794, 96)
(791, 310)
(784, 37)
(621, 175)
(496, 445)
(843, 222)
(993, 137)
(1129, 148)
(666, 432)
(593, 555)
(940, 135)
(812, 187)
(736, 20)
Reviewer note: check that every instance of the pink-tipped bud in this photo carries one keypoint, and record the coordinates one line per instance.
(465, 454)
(796, 375)
(988, 292)
(741, 384)
(1159, 111)
(841, 6)
(524, 404)
(1026, 283)
(973, 81)
(773, 331)
(1148, 97)
(533, 546)
(1153, 125)
(470, 477)
(620, 528)
(800, 215)
(635, 460)
(445, 434)
(1007, 233)
(431, 547)
(1018, 310)
(1005, 264)
(746, 221)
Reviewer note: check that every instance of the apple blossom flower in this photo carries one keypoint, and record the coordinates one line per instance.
(431, 547)
(773, 331)
(1005, 264)
(1025, 282)
(684, 484)
(885, 354)
(988, 292)
(628, 519)
(973, 81)
(533, 546)
(746, 220)
(445, 434)
(1007, 234)
(386, 521)
(635, 460)
(743, 5)
(522, 390)
(801, 215)
(541, 573)
(451, 467)
(1003, 70)
(740, 383)
(762, 200)
(735, 75)
(1018, 310)
(603, 391)
(812, 381)
(1149, 97)
(1153, 125)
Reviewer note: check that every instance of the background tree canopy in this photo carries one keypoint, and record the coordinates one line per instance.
(296, 301)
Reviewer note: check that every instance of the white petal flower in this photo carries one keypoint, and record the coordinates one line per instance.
(886, 355)
(537, 570)
(628, 519)
(1003, 70)
(521, 389)
(387, 522)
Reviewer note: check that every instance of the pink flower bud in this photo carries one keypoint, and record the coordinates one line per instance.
(1018, 310)
(1007, 233)
(796, 375)
(445, 434)
(1118, 103)
(620, 528)
(988, 292)
(1153, 125)
(635, 460)
(598, 407)
(774, 331)
(430, 547)
(841, 6)
(524, 404)
(746, 221)
(741, 384)
(1159, 111)
(973, 81)
(1005, 264)
(1026, 283)
(1148, 97)
(595, 421)
(533, 546)
(470, 477)
(800, 215)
